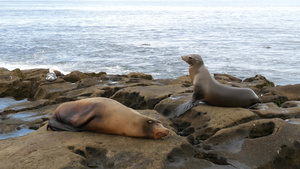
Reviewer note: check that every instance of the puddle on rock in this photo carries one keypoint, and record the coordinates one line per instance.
(176, 97)
(292, 121)
(17, 133)
(24, 116)
(111, 83)
(8, 101)
(16, 120)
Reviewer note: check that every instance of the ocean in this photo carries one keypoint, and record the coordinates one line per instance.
(238, 37)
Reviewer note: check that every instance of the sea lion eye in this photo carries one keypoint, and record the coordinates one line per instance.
(149, 121)
(190, 57)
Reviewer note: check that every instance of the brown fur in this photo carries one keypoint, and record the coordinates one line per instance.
(107, 116)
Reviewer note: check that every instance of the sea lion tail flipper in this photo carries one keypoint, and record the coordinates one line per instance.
(55, 125)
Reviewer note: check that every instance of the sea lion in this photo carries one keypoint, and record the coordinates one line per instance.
(207, 89)
(106, 116)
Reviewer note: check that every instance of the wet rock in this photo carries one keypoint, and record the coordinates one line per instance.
(27, 118)
(28, 105)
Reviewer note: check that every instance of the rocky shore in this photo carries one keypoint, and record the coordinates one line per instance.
(267, 136)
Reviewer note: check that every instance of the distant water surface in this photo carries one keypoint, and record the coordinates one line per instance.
(239, 37)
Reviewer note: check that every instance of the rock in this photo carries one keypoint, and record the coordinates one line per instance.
(259, 81)
(27, 118)
(145, 97)
(75, 76)
(289, 104)
(265, 143)
(21, 84)
(29, 105)
(292, 92)
(100, 74)
(271, 110)
(279, 100)
(10, 86)
(140, 75)
(4, 71)
(207, 120)
(183, 80)
(37, 75)
(19, 73)
(226, 77)
(168, 105)
(53, 90)
(265, 136)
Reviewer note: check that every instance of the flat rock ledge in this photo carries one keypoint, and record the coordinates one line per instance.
(266, 136)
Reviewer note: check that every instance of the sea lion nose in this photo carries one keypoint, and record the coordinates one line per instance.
(162, 133)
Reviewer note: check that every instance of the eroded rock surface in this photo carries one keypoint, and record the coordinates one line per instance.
(266, 136)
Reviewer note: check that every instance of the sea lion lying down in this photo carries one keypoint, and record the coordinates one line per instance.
(107, 116)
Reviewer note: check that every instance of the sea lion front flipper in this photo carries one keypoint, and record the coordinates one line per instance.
(252, 106)
(55, 125)
(181, 109)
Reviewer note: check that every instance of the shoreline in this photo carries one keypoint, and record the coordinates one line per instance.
(280, 83)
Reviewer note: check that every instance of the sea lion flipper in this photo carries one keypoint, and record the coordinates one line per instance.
(252, 106)
(181, 109)
(55, 125)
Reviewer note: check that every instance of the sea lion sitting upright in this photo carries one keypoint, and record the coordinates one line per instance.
(207, 89)
(107, 116)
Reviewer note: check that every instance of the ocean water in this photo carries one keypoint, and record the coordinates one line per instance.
(239, 37)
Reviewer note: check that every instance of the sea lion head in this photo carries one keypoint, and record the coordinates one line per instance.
(154, 129)
(193, 59)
